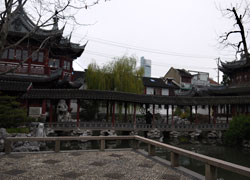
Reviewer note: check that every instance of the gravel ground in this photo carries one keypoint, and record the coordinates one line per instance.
(122, 165)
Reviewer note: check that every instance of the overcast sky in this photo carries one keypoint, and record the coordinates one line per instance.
(179, 33)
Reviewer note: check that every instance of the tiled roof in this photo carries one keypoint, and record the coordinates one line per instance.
(154, 82)
(78, 74)
(14, 86)
(184, 73)
(31, 78)
(55, 94)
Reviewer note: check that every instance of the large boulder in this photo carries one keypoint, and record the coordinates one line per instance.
(3, 135)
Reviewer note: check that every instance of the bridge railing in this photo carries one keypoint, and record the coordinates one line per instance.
(211, 164)
(131, 126)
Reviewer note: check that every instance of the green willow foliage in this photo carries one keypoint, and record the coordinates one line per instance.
(119, 75)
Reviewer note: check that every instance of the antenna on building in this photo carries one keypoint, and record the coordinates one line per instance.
(218, 71)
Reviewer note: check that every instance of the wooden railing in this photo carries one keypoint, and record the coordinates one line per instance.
(130, 126)
(211, 164)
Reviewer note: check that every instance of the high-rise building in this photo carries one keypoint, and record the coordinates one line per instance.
(146, 64)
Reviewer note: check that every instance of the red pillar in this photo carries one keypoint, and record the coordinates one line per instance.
(215, 114)
(126, 107)
(107, 111)
(167, 112)
(77, 113)
(172, 115)
(134, 115)
(44, 106)
(196, 117)
(69, 105)
(209, 114)
(113, 116)
(28, 107)
(50, 113)
(191, 114)
(227, 112)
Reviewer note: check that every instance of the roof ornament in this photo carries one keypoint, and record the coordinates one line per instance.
(55, 19)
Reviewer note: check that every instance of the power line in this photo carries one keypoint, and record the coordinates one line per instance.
(153, 63)
(155, 51)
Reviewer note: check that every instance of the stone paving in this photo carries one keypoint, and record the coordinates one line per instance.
(121, 165)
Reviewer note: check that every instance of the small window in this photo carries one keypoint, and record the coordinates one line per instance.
(40, 56)
(11, 53)
(25, 55)
(55, 63)
(5, 54)
(34, 56)
(18, 54)
(66, 65)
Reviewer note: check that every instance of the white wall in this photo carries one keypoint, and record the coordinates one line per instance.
(165, 92)
(149, 90)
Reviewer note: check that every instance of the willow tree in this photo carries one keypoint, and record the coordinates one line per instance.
(119, 75)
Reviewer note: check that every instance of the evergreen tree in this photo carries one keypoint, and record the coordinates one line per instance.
(11, 112)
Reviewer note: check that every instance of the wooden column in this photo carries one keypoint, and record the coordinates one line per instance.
(214, 114)
(151, 150)
(113, 115)
(134, 115)
(191, 114)
(57, 146)
(107, 112)
(69, 105)
(174, 159)
(233, 110)
(28, 107)
(102, 146)
(78, 111)
(153, 122)
(209, 114)
(126, 108)
(227, 112)
(167, 112)
(172, 115)
(44, 106)
(50, 113)
(196, 117)
(210, 172)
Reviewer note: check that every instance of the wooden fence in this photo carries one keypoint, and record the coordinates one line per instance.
(211, 164)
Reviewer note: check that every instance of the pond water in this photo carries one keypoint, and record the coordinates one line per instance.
(235, 155)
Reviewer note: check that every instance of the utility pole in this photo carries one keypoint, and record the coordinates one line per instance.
(218, 72)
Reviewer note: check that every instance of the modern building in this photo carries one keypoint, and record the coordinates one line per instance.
(146, 64)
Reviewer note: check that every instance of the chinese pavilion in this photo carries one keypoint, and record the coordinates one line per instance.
(238, 72)
(43, 58)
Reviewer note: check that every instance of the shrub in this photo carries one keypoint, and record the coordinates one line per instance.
(18, 130)
(11, 112)
(239, 130)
